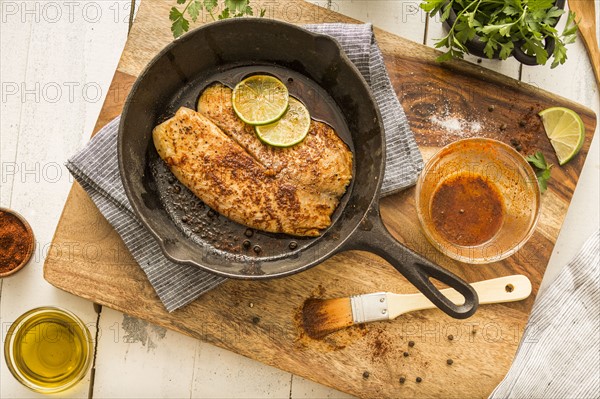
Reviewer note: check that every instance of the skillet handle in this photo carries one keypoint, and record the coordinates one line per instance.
(375, 238)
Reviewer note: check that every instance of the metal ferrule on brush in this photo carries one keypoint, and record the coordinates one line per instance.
(369, 307)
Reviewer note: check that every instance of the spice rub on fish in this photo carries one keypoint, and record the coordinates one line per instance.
(229, 179)
(321, 161)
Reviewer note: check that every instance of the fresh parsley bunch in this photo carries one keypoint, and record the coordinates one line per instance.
(500, 24)
(193, 8)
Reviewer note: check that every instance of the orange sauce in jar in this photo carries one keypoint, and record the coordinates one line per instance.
(467, 209)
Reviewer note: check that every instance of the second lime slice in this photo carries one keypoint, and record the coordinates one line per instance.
(290, 130)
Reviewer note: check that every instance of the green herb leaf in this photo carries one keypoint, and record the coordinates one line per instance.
(540, 5)
(446, 12)
(542, 169)
(514, 4)
(552, 14)
(224, 14)
(210, 5)
(181, 1)
(511, 10)
(559, 55)
(236, 6)
(180, 26)
(445, 57)
(536, 48)
(569, 33)
(543, 176)
(506, 49)
(433, 6)
(442, 42)
(503, 29)
(538, 160)
(175, 14)
(194, 9)
(490, 48)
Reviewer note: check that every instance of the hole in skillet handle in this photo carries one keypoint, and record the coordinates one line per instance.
(420, 274)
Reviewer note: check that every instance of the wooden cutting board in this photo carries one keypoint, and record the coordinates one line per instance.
(259, 319)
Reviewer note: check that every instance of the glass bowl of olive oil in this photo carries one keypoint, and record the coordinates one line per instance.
(48, 349)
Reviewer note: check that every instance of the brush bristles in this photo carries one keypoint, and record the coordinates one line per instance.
(324, 316)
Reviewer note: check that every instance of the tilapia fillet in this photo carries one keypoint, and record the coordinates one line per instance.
(322, 161)
(233, 181)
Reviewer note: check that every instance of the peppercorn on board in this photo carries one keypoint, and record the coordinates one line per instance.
(367, 361)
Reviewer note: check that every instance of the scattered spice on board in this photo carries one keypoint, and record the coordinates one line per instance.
(405, 354)
(402, 380)
(449, 362)
(16, 242)
(419, 379)
(380, 348)
(366, 374)
(450, 337)
(380, 345)
(516, 144)
(411, 343)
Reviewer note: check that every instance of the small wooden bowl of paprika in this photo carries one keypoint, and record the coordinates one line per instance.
(16, 242)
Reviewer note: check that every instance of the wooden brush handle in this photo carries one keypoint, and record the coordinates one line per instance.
(498, 290)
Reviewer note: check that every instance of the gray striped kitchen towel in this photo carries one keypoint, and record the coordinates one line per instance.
(95, 167)
(559, 355)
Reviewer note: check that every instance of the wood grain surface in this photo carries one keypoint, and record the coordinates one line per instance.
(260, 319)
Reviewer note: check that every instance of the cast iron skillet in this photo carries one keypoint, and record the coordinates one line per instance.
(313, 66)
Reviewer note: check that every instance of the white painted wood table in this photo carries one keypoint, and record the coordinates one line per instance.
(57, 60)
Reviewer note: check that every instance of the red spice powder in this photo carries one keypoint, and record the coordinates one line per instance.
(15, 242)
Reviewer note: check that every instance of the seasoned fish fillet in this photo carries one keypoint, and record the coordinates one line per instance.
(229, 180)
(322, 161)
(293, 190)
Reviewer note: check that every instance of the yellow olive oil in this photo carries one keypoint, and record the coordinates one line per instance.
(48, 349)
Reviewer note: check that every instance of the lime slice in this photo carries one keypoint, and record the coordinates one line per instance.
(260, 99)
(290, 129)
(565, 130)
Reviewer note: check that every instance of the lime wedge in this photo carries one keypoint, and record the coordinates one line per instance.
(260, 99)
(565, 130)
(291, 129)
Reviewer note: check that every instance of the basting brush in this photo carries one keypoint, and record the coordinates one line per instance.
(321, 317)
